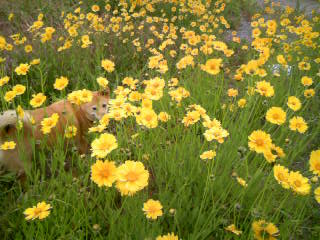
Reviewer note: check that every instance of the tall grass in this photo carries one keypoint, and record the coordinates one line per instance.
(200, 198)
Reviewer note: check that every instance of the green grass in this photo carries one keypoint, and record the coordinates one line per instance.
(205, 196)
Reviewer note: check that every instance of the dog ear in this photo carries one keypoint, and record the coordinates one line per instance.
(105, 92)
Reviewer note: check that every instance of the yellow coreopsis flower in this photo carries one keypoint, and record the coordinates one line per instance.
(152, 209)
(147, 118)
(164, 117)
(131, 177)
(281, 174)
(317, 194)
(212, 66)
(70, 131)
(259, 141)
(169, 236)
(103, 82)
(208, 154)
(61, 83)
(22, 69)
(314, 162)
(28, 48)
(232, 228)
(265, 89)
(242, 102)
(9, 96)
(41, 211)
(298, 124)
(242, 182)
(104, 173)
(37, 100)
(35, 61)
(264, 230)
(276, 115)
(294, 103)
(299, 183)
(306, 81)
(48, 123)
(19, 89)
(191, 118)
(103, 145)
(4, 80)
(107, 65)
(8, 145)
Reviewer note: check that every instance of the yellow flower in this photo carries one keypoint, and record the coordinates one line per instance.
(4, 80)
(95, 8)
(309, 93)
(299, 183)
(8, 145)
(70, 131)
(212, 66)
(9, 96)
(169, 236)
(10, 17)
(164, 117)
(242, 102)
(232, 92)
(19, 89)
(103, 145)
(28, 48)
(281, 60)
(131, 177)
(152, 208)
(22, 69)
(103, 173)
(294, 103)
(314, 162)
(41, 211)
(103, 82)
(276, 115)
(317, 194)
(281, 174)
(232, 228)
(80, 96)
(306, 81)
(20, 112)
(49, 123)
(242, 182)
(265, 89)
(191, 118)
(259, 141)
(216, 133)
(37, 100)
(146, 103)
(298, 124)
(35, 61)
(107, 65)
(61, 83)
(264, 230)
(208, 154)
(147, 118)
(304, 66)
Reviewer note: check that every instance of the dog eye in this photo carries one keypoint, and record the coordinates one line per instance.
(104, 105)
(94, 108)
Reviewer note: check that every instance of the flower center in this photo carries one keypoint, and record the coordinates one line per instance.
(132, 176)
(259, 142)
(297, 183)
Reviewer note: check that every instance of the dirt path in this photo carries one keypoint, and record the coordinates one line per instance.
(306, 6)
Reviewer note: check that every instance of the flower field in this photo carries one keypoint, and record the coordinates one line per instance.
(206, 134)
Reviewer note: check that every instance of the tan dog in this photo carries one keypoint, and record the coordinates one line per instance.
(82, 117)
